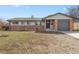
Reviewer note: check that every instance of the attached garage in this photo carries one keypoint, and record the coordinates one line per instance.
(61, 22)
(63, 25)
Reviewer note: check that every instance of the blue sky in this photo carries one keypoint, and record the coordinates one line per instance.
(11, 11)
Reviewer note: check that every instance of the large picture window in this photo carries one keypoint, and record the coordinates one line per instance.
(22, 23)
(15, 22)
(36, 23)
(28, 23)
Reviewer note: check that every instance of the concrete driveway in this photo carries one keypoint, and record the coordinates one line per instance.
(73, 34)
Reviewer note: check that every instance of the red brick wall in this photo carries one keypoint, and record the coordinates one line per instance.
(71, 24)
(26, 27)
(55, 25)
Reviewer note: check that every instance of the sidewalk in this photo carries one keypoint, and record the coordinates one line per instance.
(73, 34)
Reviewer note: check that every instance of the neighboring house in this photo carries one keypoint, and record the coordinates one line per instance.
(55, 22)
(25, 23)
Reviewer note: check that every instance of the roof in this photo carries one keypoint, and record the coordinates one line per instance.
(58, 13)
(24, 19)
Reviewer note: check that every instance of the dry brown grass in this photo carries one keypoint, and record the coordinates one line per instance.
(31, 42)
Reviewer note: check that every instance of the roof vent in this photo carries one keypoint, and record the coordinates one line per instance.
(32, 16)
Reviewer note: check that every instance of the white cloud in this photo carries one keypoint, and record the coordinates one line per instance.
(16, 5)
(64, 8)
(27, 7)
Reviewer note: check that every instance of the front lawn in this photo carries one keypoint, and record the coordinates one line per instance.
(31, 42)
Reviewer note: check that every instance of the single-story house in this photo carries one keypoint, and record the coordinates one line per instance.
(55, 22)
(25, 23)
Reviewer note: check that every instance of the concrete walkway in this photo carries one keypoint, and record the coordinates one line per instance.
(73, 34)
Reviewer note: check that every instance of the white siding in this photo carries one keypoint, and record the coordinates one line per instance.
(43, 23)
(31, 23)
(38, 23)
(25, 23)
(19, 23)
(11, 23)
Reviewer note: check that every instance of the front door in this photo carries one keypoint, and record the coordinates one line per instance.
(47, 24)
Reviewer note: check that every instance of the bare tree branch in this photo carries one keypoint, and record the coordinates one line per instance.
(74, 11)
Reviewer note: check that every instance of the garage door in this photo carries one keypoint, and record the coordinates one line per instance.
(63, 25)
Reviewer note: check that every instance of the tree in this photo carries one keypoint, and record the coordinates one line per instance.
(74, 11)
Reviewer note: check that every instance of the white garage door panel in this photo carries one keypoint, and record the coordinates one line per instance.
(63, 25)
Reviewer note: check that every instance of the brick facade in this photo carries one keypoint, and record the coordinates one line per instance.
(14, 28)
(71, 25)
(55, 25)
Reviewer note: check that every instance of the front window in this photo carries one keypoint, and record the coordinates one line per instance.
(28, 23)
(36, 23)
(22, 22)
(15, 22)
(40, 23)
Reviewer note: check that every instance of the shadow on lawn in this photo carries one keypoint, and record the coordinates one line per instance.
(49, 32)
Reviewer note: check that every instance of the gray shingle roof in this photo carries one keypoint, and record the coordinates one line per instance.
(26, 19)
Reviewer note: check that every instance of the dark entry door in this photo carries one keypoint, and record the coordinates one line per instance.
(63, 25)
(47, 24)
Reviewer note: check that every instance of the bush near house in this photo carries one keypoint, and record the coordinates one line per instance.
(3, 24)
